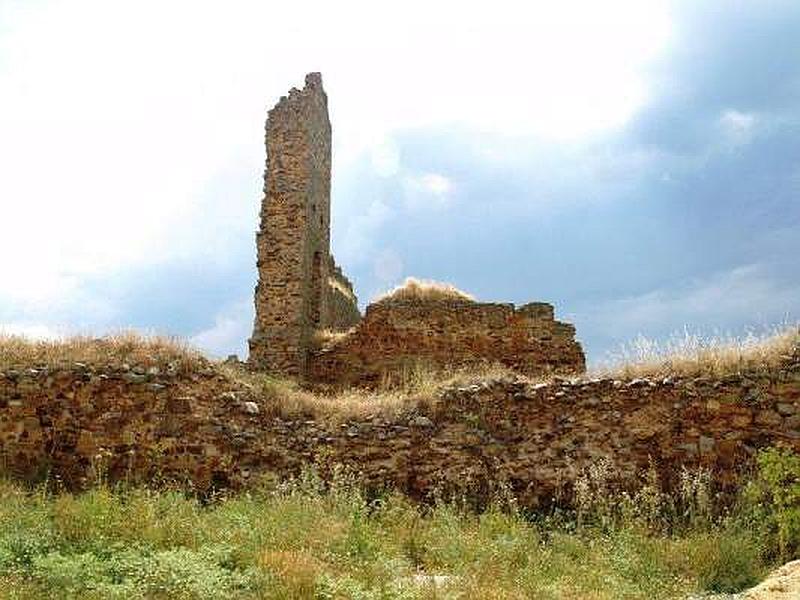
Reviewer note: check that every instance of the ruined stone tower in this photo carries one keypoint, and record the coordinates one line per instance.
(299, 289)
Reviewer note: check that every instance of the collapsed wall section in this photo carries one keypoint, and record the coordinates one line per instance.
(341, 304)
(399, 334)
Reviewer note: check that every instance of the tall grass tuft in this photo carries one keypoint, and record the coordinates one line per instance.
(692, 355)
(111, 350)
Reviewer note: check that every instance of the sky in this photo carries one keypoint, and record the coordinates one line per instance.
(635, 163)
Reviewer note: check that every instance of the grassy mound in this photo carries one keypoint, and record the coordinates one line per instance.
(423, 290)
(406, 390)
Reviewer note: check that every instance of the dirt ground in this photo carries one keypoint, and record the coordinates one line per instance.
(782, 584)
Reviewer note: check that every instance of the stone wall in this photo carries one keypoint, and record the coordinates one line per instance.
(341, 304)
(77, 423)
(398, 334)
(301, 290)
(293, 243)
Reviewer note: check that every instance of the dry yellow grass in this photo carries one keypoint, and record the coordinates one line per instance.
(687, 356)
(418, 289)
(691, 355)
(402, 391)
(297, 569)
(327, 337)
(407, 390)
(125, 347)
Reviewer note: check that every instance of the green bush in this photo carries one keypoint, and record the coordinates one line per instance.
(306, 539)
(772, 501)
(138, 573)
(726, 561)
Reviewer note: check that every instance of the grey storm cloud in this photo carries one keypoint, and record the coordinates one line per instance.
(678, 206)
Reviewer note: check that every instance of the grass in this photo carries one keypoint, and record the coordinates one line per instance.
(418, 384)
(305, 540)
(423, 290)
(110, 351)
(685, 355)
(691, 355)
(406, 390)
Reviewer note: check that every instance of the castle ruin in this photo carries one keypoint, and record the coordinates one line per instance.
(301, 291)
(175, 419)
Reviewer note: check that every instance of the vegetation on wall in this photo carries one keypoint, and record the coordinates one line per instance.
(692, 355)
(424, 290)
(306, 539)
(116, 350)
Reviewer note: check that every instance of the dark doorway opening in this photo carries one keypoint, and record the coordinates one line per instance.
(316, 289)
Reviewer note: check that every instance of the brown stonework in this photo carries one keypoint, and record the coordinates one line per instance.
(301, 290)
(295, 267)
(341, 305)
(204, 429)
(396, 335)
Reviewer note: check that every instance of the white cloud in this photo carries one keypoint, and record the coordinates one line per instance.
(117, 118)
(746, 294)
(737, 121)
(738, 127)
(385, 158)
(359, 239)
(431, 190)
(436, 184)
(230, 332)
(388, 266)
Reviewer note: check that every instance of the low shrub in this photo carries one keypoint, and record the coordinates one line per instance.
(772, 501)
(307, 539)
